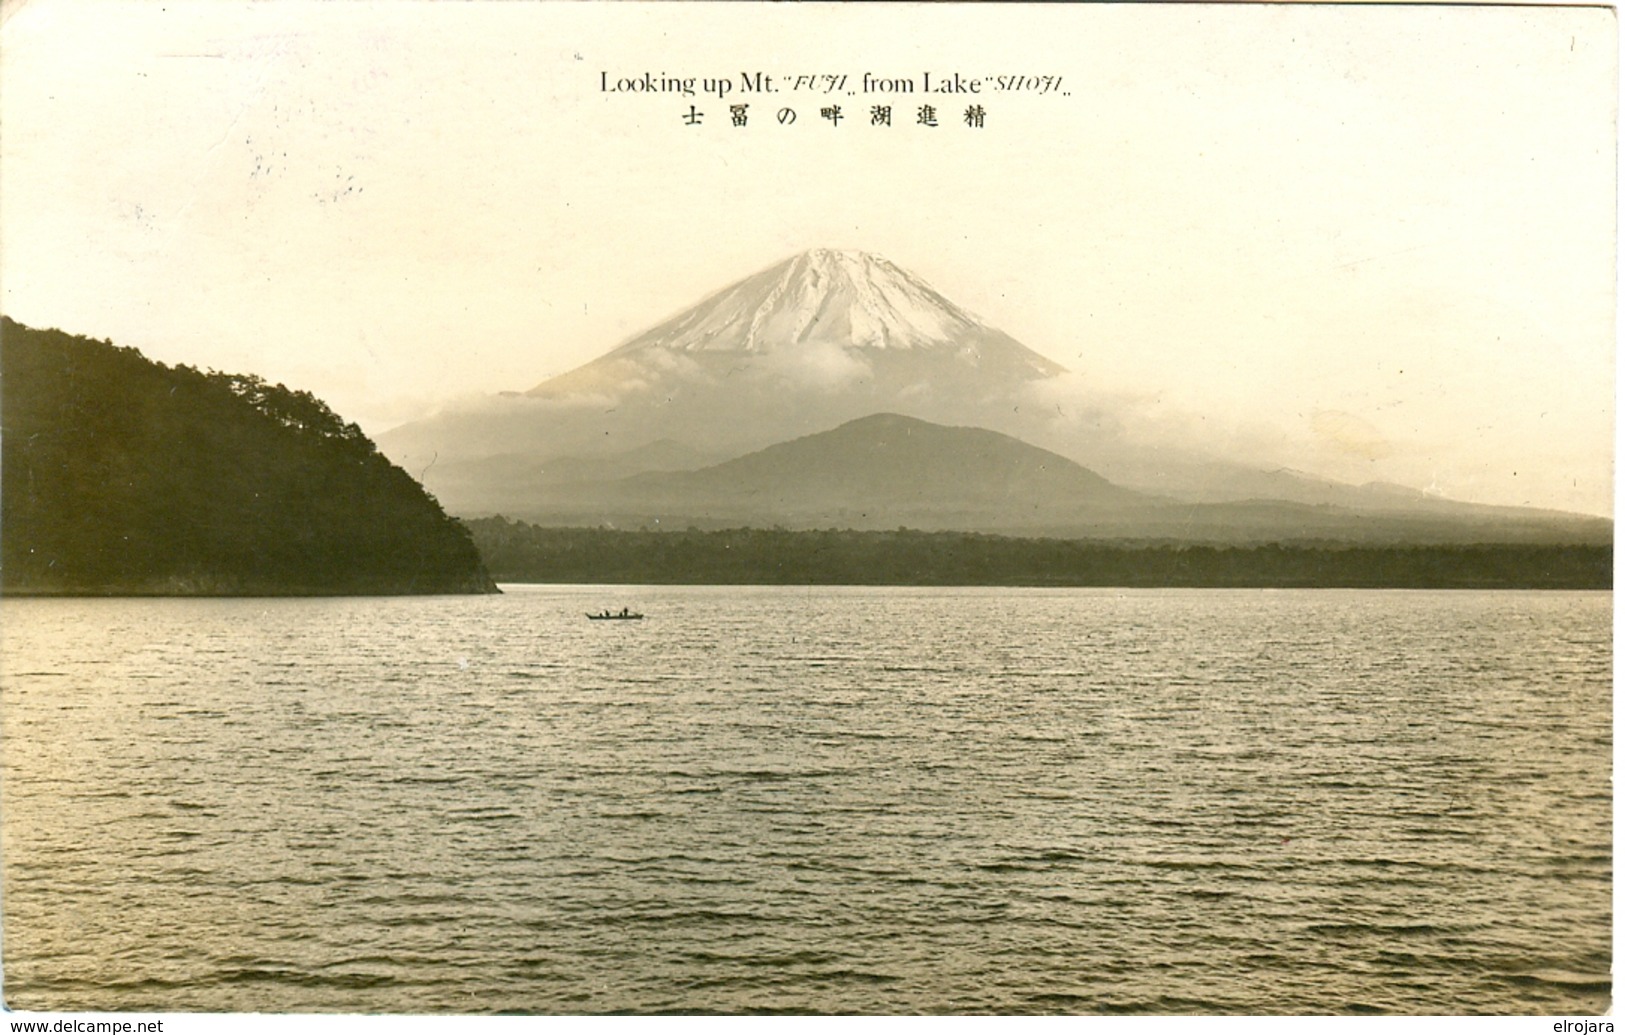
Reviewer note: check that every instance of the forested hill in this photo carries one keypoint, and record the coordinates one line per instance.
(125, 476)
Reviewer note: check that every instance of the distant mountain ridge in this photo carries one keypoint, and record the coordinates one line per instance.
(888, 466)
(876, 471)
(889, 471)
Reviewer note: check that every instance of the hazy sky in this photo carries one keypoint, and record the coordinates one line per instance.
(1373, 241)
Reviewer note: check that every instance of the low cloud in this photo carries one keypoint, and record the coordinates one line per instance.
(820, 364)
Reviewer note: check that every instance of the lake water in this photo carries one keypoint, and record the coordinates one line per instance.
(824, 800)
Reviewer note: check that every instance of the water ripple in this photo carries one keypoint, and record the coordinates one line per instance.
(812, 801)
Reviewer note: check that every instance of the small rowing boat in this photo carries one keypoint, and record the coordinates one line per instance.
(610, 616)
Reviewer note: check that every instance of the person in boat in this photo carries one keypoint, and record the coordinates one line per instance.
(625, 612)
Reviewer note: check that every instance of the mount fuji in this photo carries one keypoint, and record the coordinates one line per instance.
(816, 342)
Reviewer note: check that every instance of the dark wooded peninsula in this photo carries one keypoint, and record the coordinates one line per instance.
(125, 476)
(521, 552)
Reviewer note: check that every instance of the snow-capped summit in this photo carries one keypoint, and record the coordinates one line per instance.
(852, 298)
(815, 317)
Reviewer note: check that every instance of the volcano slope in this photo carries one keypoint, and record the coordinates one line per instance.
(827, 338)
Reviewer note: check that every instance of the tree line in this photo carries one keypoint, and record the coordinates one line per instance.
(515, 551)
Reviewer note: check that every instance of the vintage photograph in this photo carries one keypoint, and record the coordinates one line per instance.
(836, 509)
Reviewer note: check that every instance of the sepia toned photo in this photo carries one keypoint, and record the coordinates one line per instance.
(825, 509)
